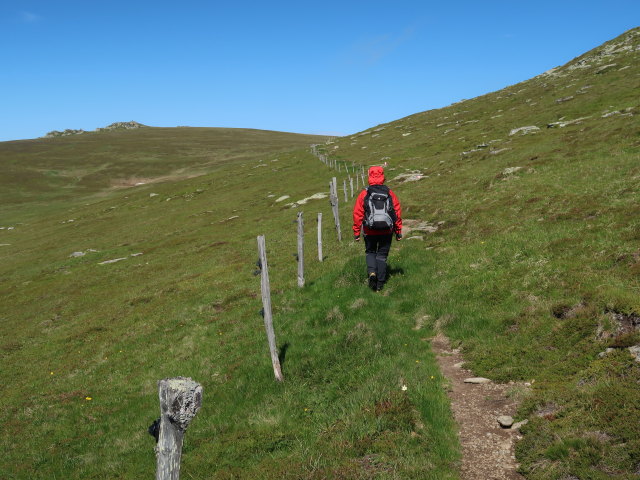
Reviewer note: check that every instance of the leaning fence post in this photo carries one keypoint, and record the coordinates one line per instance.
(180, 400)
(266, 308)
(351, 185)
(300, 250)
(320, 236)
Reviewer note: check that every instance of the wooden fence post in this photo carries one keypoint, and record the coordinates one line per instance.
(344, 187)
(320, 236)
(333, 198)
(180, 400)
(300, 250)
(266, 306)
(351, 185)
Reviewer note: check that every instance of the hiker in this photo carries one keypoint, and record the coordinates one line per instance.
(378, 215)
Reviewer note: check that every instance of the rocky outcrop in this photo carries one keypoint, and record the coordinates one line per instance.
(114, 126)
(121, 126)
(64, 133)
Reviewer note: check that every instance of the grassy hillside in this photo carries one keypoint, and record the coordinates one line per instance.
(535, 269)
(64, 169)
(529, 263)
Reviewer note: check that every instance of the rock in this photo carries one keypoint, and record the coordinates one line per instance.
(565, 99)
(635, 352)
(477, 380)
(605, 68)
(416, 237)
(113, 126)
(606, 352)
(412, 225)
(524, 130)
(505, 421)
(151, 195)
(315, 196)
(569, 122)
(510, 171)
(500, 150)
(77, 254)
(519, 425)
(459, 365)
(65, 133)
(406, 134)
(107, 262)
(121, 126)
(282, 198)
(409, 177)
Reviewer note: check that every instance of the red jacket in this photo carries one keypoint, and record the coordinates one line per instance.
(376, 177)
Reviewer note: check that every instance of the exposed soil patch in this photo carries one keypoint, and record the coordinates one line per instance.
(487, 448)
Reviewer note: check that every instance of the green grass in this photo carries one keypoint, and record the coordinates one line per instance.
(525, 273)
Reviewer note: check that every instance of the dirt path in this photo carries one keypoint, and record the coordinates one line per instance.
(487, 448)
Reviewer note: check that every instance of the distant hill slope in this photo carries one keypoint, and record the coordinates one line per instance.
(49, 169)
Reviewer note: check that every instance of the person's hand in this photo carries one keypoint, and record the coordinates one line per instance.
(356, 238)
(398, 236)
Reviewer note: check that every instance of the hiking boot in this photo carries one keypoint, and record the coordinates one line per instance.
(379, 286)
(373, 281)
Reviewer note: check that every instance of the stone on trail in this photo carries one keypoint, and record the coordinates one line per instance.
(518, 425)
(77, 254)
(477, 380)
(635, 351)
(282, 198)
(505, 421)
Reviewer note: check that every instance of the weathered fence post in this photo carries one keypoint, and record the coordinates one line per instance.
(344, 187)
(300, 250)
(320, 236)
(180, 400)
(351, 185)
(266, 308)
(333, 198)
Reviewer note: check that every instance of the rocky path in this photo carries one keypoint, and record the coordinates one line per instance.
(487, 448)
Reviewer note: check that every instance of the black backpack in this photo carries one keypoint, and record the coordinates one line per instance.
(379, 213)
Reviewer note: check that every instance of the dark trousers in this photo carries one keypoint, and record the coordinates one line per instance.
(377, 249)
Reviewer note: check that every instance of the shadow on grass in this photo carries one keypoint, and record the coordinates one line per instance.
(282, 353)
(392, 271)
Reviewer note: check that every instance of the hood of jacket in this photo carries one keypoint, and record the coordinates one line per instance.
(376, 175)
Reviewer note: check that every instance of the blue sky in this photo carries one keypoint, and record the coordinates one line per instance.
(328, 67)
